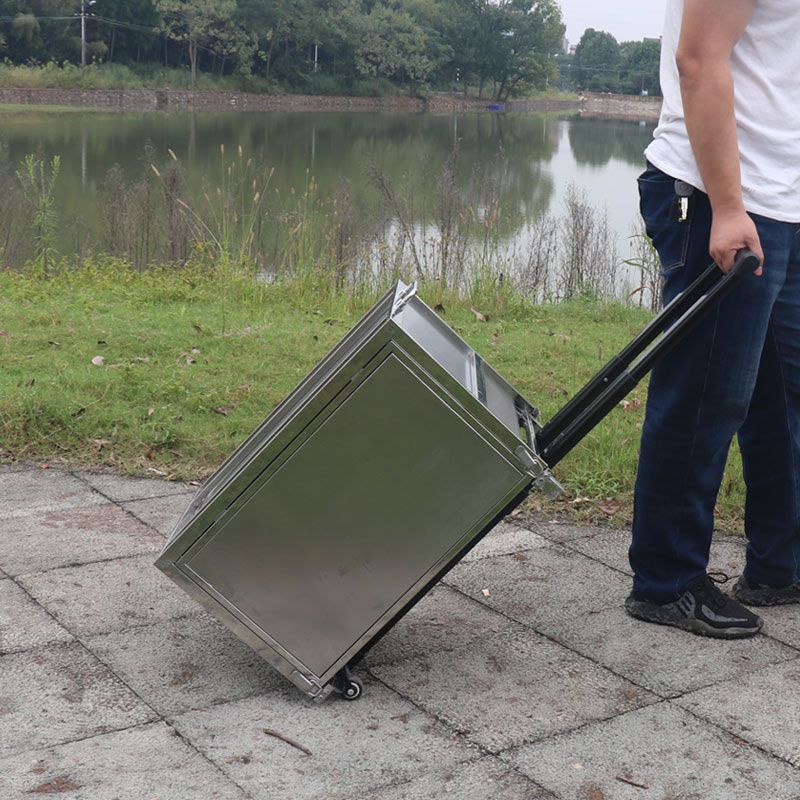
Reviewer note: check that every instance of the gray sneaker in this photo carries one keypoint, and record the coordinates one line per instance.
(754, 594)
(702, 609)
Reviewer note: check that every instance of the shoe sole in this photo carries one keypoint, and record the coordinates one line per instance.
(762, 599)
(646, 613)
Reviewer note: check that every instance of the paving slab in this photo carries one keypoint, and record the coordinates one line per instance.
(443, 620)
(46, 538)
(505, 539)
(610, 547)
(60, 693)
(109, 595)
(160, 513)
(557, 529)
(23, 623)
(23, 490)
(543, 588)
(661, 752)
(508, 689)
(663, 659)
(185, 664)
(287, 746)
(121, 488)
(782, 623)
(486, 779)
(142, 763)
(760, 707)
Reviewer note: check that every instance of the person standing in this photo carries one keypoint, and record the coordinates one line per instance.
(723, 174)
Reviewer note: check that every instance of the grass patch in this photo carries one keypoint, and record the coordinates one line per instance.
(192, 362)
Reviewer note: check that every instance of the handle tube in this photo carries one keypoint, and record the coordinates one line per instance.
(593, 411)
(619, 363)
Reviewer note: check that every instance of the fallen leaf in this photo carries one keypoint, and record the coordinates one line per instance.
(516, 512)
(156, 471)
(594, 792)
(224, 410)
(150, 454)
(30, 383)
(59, 784)
(486, 593)
(4, 333)
(98, 361)
(197, 327)
(190, 360)
(610, 506)
(439, 307)
(480, 317)
(631, 405)
(54, 344)
(195, 350)
(495, 338)
(99, 444)
(150, 412)
(79, 412)
(626, 777)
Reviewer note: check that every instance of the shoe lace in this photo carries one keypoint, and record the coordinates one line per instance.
(711, 594)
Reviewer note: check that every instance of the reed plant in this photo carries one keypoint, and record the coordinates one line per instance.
(454, 236)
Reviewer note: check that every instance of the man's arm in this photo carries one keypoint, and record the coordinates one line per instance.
(710, 30)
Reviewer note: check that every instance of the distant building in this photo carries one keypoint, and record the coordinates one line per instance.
(652, 39)
(565, 46)
(572, 49)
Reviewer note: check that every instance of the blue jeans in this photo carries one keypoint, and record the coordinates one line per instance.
(738, 373)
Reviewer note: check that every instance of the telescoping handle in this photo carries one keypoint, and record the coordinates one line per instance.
(605, 390)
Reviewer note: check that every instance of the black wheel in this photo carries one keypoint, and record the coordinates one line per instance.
(353, 689)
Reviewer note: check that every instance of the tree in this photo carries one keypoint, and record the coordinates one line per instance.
(640, 66)
(597, 61)
(201, 24)
(532, 32)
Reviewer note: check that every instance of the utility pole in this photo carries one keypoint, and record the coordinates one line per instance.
(83, 33)
(84, 5)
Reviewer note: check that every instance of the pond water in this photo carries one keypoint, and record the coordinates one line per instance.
(536, 156)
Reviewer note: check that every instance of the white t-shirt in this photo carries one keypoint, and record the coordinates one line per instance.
(766, 76)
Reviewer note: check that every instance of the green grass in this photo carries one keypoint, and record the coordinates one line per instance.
(193, 362)
(39, 108)
(121, 76)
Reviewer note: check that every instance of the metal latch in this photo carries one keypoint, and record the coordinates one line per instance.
(402, 295)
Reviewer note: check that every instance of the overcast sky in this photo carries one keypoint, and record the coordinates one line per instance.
(626, 19)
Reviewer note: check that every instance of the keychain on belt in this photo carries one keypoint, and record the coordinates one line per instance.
(681, 209)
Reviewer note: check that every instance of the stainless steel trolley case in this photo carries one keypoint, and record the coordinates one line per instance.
(378, 472)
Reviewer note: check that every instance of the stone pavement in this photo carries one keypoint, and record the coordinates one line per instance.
(519, 677)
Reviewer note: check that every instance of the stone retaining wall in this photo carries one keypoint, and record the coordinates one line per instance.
(628, 106)
(179, 100)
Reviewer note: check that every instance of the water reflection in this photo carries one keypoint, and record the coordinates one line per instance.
(525, 157)
(595, 141)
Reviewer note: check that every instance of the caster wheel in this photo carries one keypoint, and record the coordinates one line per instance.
(353, 689)
(348, 685)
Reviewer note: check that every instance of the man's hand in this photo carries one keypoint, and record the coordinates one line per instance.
(731, 231)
